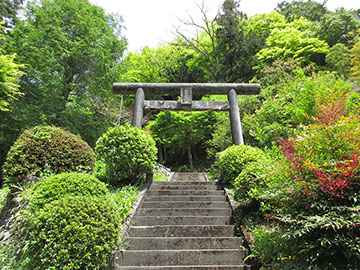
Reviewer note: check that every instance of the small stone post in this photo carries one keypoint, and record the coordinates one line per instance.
(138, 108)
(236, 129)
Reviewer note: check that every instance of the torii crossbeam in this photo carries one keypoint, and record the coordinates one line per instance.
(186, 102)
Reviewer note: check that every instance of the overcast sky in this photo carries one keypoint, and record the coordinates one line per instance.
(152, 22)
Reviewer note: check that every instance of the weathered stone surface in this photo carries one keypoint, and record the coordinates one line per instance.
(179, 257)
(181, 243)
(184, 212)
(209, 204)
(182, 231)
(197, 88)
(186, 176)
(182, 187)
(185, 198)
(180, 220)
(191, 183)
(183, 225)
(189, 192)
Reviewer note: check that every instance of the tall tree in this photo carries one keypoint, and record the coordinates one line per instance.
(339, 26)
(295, 40)
(8, 10)
(232, 50)
(71, 52)
(10, 73)
(309, 9)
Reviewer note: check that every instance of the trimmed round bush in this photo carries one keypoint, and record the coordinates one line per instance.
(57, 186)
(46, 150)
(75, 232)
(231, 161)
(127, 152)
(253, 175)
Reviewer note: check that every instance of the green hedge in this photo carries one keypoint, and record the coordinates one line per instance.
(57, 186)
(46, 150)
(127, 153)
(74, 232)
(231, 161)
(253, 176)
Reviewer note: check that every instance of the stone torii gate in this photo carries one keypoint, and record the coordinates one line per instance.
(186, 102)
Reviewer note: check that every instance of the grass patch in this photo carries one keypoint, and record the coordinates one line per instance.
(160, 177)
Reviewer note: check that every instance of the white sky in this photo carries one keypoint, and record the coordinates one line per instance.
(152, 22)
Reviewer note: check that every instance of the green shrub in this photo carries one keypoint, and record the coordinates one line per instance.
(296, 104)
(232, 161)
(252, 176)
(268, 246)
(57, 186)
(74, 232)
(46, 150)
(127, 152)
(124, 200)
(100, 171)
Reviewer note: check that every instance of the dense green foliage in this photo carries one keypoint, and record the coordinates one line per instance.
(128, 152)
(78, 233)
(57, 186)
(234, 62)
(308, 194)
(308, 9)
(355, 58)
(8, 10)
(180, 135)
(296, 40)
(10, 72)
(297, 184)
(74, 217)
(4, 192)
(45, 150)
(70, 51)
(339, 60)
(231, 162)
(294, 104)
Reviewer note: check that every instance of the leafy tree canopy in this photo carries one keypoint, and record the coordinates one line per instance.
(339, 26)
(295, 40)
(70, 49)
(10, 72)
(309, 9)
(234, 55)
(339, 59)
(8, 9)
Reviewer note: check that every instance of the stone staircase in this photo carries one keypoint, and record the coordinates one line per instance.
(182, 224)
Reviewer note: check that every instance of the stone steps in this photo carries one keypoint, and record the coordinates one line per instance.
(185, 198)
(179, 257)
(183, 187)
(189, 192)
(187, 243)
(179, 204)
(180, 220)
(184, 211)
(182, 230)
(183, 224)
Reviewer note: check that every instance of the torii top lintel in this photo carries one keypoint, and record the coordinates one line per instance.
(197, 88)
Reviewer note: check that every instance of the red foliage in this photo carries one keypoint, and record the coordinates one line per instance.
(330, 113)
(288, 149)
(337, 183)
